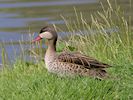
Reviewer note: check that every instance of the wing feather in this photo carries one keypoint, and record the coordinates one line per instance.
(80, 59)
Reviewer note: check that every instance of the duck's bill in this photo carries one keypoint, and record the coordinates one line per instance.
(38, 38)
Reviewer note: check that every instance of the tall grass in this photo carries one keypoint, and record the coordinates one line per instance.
(105, 38)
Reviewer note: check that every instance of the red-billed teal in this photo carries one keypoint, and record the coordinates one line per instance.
(69, 63)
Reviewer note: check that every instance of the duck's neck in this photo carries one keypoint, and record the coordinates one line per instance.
(51, 51)
(51, 47)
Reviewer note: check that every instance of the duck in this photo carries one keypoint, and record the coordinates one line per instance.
(69, 63)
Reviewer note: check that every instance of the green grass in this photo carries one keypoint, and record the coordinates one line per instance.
(28, 81)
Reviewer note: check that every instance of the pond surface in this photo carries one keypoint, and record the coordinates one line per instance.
(18, 18)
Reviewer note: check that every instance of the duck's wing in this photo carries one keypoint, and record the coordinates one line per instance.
(80, 59)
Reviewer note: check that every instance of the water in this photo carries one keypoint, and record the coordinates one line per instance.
(18, 18)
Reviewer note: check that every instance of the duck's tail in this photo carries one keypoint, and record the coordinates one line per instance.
(99, 73)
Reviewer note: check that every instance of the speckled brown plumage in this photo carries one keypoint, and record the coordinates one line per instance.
(80, 59)
(68, 63)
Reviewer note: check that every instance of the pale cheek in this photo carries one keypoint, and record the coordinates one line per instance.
(42, 35)
(46, 35)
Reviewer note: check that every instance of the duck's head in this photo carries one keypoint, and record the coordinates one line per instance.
(48, 33)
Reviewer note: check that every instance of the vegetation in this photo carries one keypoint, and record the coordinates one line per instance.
(110, 41)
